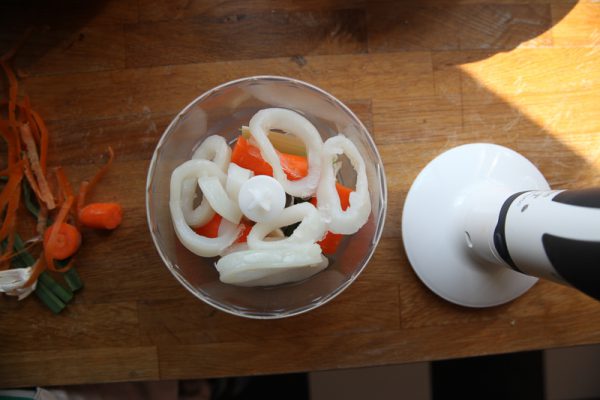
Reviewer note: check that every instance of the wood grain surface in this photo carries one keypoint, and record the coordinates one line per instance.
(424, 77)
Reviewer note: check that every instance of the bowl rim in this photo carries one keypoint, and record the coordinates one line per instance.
(379, 219)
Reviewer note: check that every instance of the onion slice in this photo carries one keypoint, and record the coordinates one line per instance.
(187, 180)
(197, 244)
(292, 122)
(215, 194)
(311, 229)
(356, 215)
(214, 148)
(12, 281)
(236, 177)
(271, 267)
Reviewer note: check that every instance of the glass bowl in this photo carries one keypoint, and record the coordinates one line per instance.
(222, 111)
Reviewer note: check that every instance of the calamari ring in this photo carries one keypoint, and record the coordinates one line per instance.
(271, 267)
(197, 244)
(214, 148)
(311, 229)
(292, 122)
(356, 215)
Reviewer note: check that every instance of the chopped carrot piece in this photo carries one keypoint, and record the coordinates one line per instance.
(211, 228)
(49, 242)
(295, 167)
(66, 241)
(101, 215)
(247, 227)
(248, 156)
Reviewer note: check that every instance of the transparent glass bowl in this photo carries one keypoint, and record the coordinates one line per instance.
(222, 111)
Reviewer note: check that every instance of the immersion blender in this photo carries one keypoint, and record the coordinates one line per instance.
(480, 224)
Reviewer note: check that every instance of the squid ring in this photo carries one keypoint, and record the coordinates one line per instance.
(197, 244)
(356, 215)
(311, 229)
(279, 118)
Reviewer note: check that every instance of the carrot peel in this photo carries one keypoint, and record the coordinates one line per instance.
(66, 241)
(50, 241)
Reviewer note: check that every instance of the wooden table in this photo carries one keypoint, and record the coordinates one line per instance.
(424, 78)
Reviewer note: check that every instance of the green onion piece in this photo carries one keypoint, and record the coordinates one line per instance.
(65, 295)
(15, 262)
(23, 255)
(71, 276)
(48, 298)
(73, 280)
(30, 204)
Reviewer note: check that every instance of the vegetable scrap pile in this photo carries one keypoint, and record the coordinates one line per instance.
(292, 245)
(43, 262)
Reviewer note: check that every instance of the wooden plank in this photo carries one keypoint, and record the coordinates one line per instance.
(576, 26)
(452, 27)
(77, 365)
(132, 137)
(554, 128)
(158, 10)
(438, 78)
(328, 352)
(82, 141)
(529, 71)
(61, 49)
(209, 39)
(89, 325)
(364, 307)
(544, 300)
(75, 13)
(143, 91)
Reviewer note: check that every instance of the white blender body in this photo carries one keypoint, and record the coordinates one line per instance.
(480, 223)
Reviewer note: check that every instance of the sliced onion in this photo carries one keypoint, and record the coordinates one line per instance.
(311, 229)
(271, 267)
(12, 281)
(185, 179)
(215, 194)
(236, 177)
(292, 122)
(355, 216)
(214, 148)
(197, 244)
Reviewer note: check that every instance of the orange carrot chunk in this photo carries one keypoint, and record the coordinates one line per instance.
(248, 156)
(101, 215)
(211, 228)
(66, 242)
(246, 228)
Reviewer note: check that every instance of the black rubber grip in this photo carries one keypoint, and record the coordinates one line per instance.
(576, 261)
(500, 234)
(581, 197)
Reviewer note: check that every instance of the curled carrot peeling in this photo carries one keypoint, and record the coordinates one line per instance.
(66, 243)
(51, 243)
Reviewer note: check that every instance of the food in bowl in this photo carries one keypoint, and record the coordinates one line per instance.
(242, 215)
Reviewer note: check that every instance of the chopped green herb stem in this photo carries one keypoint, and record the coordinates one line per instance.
(48, 298)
